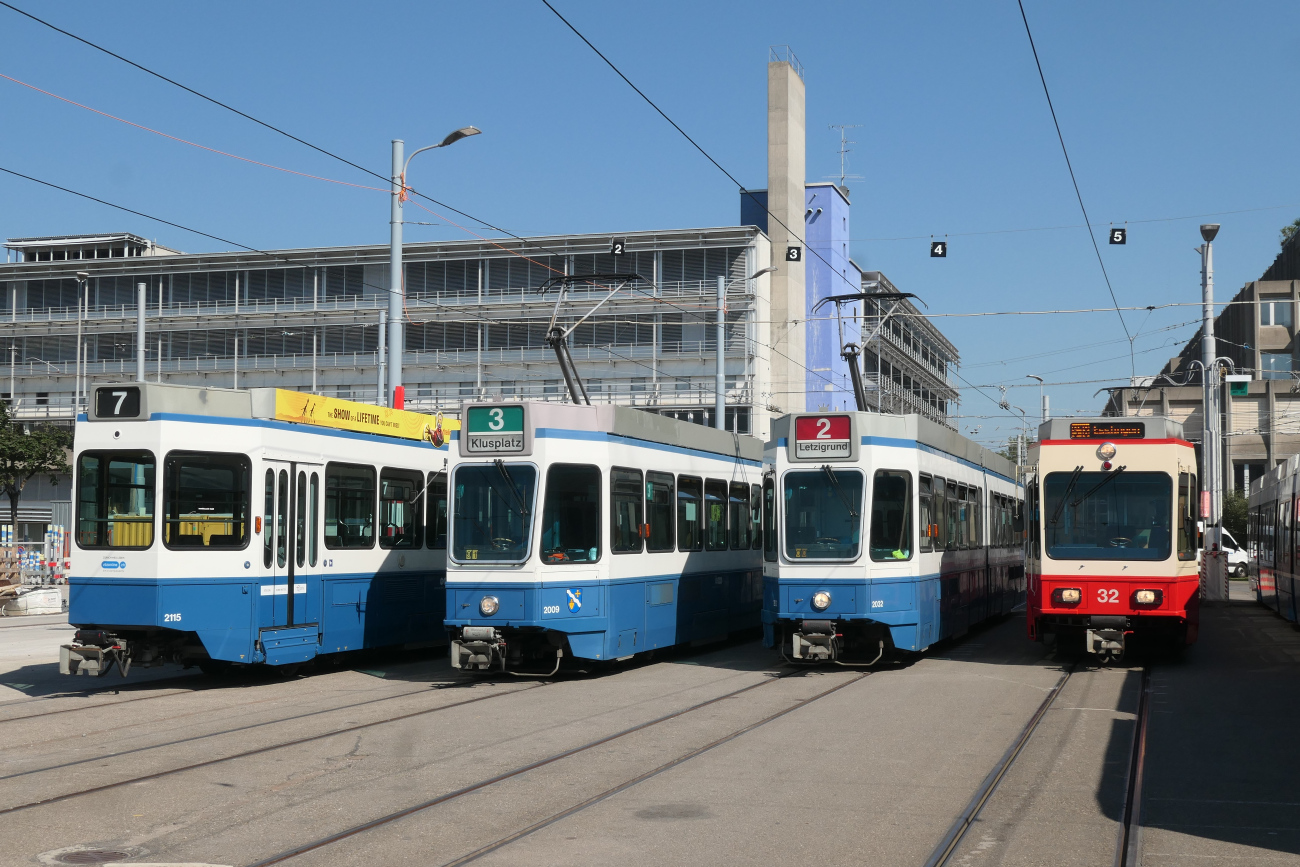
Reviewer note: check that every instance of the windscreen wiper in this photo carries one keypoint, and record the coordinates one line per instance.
(1060, 507)
(830, 474)
(1110, 477)
(514, 490)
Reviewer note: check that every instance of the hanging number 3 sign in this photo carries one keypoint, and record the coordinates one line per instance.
(794, 254)
(1119, 236)
(938, 249)
(617, 247)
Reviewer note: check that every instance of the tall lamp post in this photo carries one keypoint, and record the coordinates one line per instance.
(396, 286)
(1210, 439)
(82, 277)
(1042, 402)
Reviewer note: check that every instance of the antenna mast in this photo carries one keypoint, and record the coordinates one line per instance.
(845, 150)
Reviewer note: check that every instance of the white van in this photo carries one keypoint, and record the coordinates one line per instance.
(1238, 557)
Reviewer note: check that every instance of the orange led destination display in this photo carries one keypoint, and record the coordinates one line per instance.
(1091, 430)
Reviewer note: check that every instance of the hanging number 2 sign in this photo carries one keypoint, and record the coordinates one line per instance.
(938, 249)
(618, 247)
(1119, 236)
(794, 254)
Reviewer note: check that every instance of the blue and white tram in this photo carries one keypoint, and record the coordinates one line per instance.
(209, 531)
(883, 532)
(1274, 533)
(596, 533)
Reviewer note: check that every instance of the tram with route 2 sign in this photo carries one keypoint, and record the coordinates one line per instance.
(883, 533)
(1113, 534)
(222, 528)
(595, 533)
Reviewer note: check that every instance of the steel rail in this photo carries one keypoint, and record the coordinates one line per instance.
(957, 832)
(389, 818)
(54, 799)
(621, 787)
(1128, 850)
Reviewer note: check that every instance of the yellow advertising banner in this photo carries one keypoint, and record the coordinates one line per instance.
(334, 412)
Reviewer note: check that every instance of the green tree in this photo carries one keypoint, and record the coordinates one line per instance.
(27, 453)
(1289, 231)
(1235, 514)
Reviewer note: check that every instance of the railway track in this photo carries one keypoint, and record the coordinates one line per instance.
(67, 796)
(1129, 839)
(331, 839)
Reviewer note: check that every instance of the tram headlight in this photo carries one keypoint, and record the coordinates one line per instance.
(1148, 597)
(821, 600)
(1106, 451)
(488, 605)
(1067, 595)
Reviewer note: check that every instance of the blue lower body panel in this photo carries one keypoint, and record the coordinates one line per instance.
(913, 612)
(237, 620)
(611, 619)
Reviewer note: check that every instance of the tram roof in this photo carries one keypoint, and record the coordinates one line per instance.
(1150, 427)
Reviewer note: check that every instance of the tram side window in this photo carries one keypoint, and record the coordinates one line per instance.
(115, 499)
(1186, 516)
(952, 536)
(313, 498)
(939, 517)
(206, 500)
(626, 503)
(977, 526)
(891, 515)
(400, 523)
(349, 506)
(435, 532)
(571, 514)
(715, 513)
(268, 520)
(756, 517)
(690, 511)
(769, 519)
(660, 493)
(926, 502)
(738, 517)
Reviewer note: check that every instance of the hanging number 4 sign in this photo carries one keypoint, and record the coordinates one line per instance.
(1119, 236)
(938, 249)
(794, 254)
(618, 247)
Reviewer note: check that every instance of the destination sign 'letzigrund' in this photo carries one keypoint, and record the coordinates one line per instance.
(827, 436)
(494, 429)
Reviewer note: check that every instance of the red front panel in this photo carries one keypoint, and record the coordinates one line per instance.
(1112, 594)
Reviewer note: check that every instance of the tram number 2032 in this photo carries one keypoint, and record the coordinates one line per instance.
(1108, 596)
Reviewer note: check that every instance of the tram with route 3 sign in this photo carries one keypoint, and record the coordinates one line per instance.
(1113, 534)
(596, 533)
(883, 533)
(221, 528)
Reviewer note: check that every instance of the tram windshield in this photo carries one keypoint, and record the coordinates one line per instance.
(492, 511)
(115, 498)
(823, 514)
(1118, 515)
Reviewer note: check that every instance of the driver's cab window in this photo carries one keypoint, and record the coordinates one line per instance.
(571, 514)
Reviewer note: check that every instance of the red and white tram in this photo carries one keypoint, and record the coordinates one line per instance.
(1112, 537)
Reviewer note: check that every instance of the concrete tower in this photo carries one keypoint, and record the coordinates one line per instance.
(785, 202)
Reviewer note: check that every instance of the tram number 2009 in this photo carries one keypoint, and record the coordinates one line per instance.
(1106, 596)
(550, 609)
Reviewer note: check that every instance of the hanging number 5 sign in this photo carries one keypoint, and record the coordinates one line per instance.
(1119, 236)
(794, 254)
(938, 249)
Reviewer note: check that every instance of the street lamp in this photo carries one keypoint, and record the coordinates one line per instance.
(1210, 443)
(82, 277)
(1042, 407)
(396, 285)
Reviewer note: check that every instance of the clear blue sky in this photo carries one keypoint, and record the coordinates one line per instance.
(1169, 110)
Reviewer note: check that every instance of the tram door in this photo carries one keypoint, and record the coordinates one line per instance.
(291, 529)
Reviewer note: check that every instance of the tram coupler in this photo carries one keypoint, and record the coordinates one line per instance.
(1105, 636)
(815, 641)
(479, 648)
(94, 653)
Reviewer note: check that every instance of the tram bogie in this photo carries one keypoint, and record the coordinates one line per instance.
(597, 533)
(883, 533)
(221, 528)
(1113, 534)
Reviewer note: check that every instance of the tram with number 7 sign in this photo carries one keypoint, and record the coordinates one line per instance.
(1113, 534)
(883, 533)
